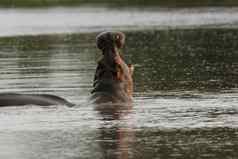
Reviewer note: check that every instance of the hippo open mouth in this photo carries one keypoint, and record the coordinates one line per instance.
(113, 78)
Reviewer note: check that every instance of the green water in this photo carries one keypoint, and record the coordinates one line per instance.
(185, 59)
(190, 59)
(185, 102)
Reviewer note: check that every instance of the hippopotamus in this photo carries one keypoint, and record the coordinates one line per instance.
(14, 99)
(113, 81)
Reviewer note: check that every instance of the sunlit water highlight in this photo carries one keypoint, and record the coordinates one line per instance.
(88, 19)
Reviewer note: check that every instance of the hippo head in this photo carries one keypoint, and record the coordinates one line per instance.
(109, 43)
(109, 40)
(113, 76)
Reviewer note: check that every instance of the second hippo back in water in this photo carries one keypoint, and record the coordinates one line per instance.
(113, 78)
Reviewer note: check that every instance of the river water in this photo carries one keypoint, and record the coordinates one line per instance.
(186, 80)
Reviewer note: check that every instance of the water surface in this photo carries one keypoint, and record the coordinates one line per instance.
(94, 19)
(185, 101)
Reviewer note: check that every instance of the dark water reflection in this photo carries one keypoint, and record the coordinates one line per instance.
(180, 144)
(173, 59)
(185, 97)
(185, 59)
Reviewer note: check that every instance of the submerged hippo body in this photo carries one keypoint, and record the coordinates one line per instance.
(113, 78)
(14, 99)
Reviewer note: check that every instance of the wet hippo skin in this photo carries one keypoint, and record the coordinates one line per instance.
(14, 99)
(113, 78)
